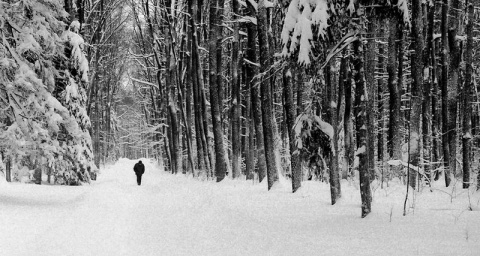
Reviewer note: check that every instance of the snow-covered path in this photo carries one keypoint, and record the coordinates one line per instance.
(175, 215)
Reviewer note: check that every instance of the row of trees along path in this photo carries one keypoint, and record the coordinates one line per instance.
(252, 89)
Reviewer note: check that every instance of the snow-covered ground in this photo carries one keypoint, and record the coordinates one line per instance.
(177, 215)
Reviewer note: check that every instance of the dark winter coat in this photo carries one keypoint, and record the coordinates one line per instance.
(139, 168)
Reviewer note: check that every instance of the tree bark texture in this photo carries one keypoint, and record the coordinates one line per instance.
(266, 95)
(215, 21)
(361, 131)
(236, 140)
(444, 81)
(395, 137)
(251, 72)
(371, 86)
(290, 116)
(467, 104)
(416, 91)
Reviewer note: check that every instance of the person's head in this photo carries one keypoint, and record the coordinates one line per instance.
(140, 161)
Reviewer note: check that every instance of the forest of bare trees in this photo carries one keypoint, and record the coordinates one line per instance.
(329, 90)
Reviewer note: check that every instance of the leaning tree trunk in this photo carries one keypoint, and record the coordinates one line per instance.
(467, 104)
(361, 99)
(266, 95)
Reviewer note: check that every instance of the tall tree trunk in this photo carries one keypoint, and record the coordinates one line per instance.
(290, 118)
(361, 99)
(467, 105)
(249, 130)
(194, 85)
(444, 81)
(395, 122)
(334, 172)
(427, 92)
(453, 82)
(220, 67)
(252, 71)
(436, 116)
(370, 57)
(381, 106)
(348, 120)
(215, 21)
(416, 90)
(266, 94)
(200, 108)
(236, 140)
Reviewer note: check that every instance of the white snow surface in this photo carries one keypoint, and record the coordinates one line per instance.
(178, 215)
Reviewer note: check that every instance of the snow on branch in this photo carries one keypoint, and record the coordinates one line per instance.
(301, 16)
(247, 19)
(403, 7)
(254, 4)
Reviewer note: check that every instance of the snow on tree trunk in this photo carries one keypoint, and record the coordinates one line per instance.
(467, 104)
(215, 35)
(454, 83)
(296, 170)
(444, 81)
(395, 125)
(361, 98)
(370, 58)
(416, 91)
(334, 172)
(266, 96)
(236, 141)
(251, 72)
(427, 88)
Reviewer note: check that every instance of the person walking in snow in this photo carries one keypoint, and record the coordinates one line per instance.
(139, 169)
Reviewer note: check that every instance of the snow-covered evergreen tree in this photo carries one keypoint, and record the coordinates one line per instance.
(43, 126)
